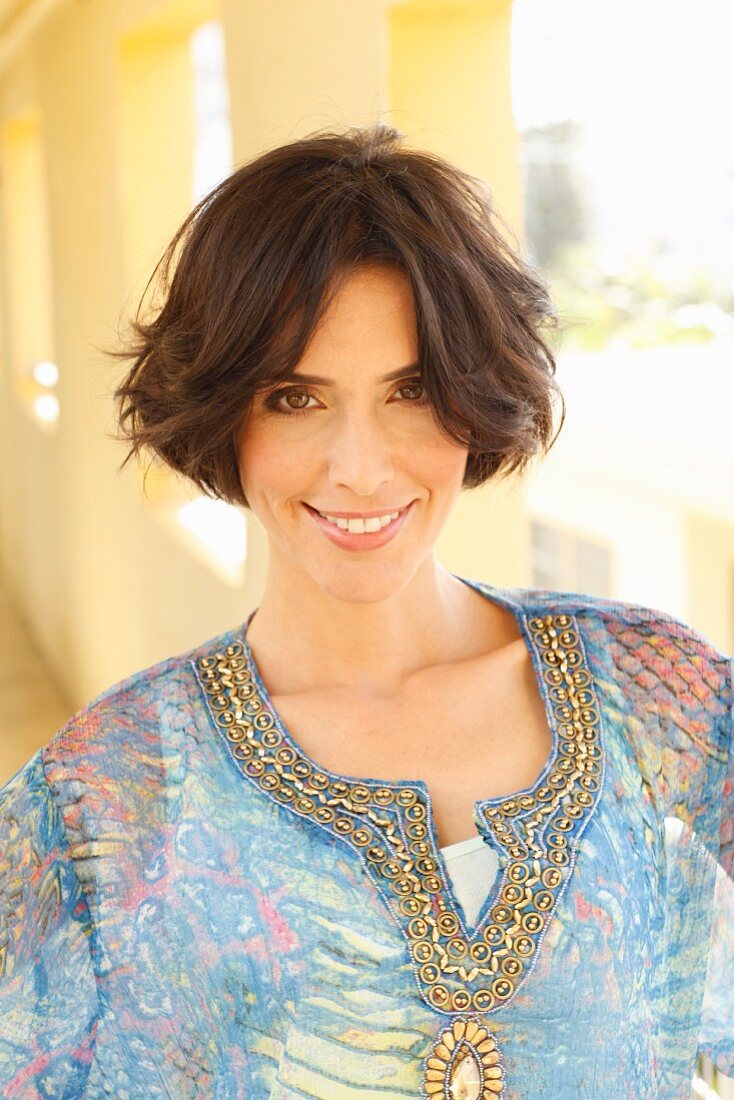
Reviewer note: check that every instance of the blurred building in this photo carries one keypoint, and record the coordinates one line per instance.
(636, 498)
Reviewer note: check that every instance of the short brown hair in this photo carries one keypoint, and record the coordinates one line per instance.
(261, 257)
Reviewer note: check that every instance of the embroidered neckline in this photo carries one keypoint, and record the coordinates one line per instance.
(498, 596)
(389, 823)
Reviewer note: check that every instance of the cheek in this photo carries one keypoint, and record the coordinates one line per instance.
(441, 459)
(269, 464)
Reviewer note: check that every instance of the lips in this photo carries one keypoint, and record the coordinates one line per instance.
(369, 540)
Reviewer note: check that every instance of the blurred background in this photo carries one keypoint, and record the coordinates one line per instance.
(604, 133)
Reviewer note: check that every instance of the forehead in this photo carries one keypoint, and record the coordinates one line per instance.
(370, 315)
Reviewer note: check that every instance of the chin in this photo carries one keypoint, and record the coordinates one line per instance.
(362, 581)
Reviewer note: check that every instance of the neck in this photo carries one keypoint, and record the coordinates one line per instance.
(308, 639)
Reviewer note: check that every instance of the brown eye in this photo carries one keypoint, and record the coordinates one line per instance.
(275, 401)
(299, 395)
(413, 386)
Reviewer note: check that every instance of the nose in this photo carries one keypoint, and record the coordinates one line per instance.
(361, 454)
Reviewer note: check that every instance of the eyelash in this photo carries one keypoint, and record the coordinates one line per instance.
(272, 401)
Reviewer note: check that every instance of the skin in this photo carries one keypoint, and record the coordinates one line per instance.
(374, 622)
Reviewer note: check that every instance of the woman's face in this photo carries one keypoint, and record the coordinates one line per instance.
(355, 443)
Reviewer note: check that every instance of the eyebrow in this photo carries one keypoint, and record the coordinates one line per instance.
(315, 380)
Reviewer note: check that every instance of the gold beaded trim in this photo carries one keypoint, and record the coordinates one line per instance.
(387, 824)
(536, 832)
(466, 1045)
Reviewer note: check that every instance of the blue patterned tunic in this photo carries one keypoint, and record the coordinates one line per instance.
(192, 907)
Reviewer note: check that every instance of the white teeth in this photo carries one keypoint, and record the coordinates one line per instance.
(361, 526)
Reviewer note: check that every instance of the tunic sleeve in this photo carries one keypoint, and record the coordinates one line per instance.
(48, 991)
(716, 1036)
(681, 718)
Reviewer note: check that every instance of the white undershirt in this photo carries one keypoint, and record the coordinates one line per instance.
(472, 866)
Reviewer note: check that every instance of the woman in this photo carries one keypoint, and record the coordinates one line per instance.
(400, 833)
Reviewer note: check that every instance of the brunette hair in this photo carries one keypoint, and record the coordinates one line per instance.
(261, 258)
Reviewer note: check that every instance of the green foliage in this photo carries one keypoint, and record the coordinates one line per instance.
(638, 303)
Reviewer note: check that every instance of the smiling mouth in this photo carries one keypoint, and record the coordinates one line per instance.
(358, 525)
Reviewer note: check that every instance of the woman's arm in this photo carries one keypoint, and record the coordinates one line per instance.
(48, 991)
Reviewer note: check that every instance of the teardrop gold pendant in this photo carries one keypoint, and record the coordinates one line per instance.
(464, 1064)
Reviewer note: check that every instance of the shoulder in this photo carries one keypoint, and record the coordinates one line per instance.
(115, 767)
(650, 660)
(621, 619)
(131, 721)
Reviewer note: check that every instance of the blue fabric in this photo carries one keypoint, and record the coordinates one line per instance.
(190, 907)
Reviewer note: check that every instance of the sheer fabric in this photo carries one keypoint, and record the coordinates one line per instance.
(171, 925)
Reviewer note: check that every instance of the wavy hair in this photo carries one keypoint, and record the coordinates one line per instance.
(257, 262)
